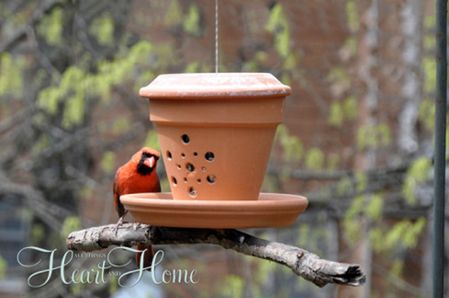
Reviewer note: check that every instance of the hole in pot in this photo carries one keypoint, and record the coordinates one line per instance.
(185, 179)
(198, 180)
(192, 192)
(195, 154)
(178, 166)
(209, 156)
(185, 139)
(190, 167)
(183, 155)
(169, 156)
(211, 179)
(173, 179)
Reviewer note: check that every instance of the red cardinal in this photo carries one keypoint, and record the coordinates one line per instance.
(137, 175)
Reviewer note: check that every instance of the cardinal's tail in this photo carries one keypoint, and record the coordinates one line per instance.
(147, 253)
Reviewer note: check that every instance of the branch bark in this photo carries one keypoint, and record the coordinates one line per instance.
(302, 262)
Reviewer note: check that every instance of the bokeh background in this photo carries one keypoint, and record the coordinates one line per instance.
(356, 138)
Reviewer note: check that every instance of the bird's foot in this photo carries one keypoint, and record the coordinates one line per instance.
(120, 222)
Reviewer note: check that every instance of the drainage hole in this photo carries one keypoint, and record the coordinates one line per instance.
(192, 192)
(209, 156)
(190, 167)
(185, 179)
(211, 179)
(178, 166)
(198, 180)
(185, 139)
(183, 155)
(169, 156)
(195, 154)
(173, 179)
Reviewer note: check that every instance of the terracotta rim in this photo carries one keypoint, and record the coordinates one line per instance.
(214, 85)
(271, 210)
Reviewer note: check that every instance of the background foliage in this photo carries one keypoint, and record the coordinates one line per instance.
(357, 135)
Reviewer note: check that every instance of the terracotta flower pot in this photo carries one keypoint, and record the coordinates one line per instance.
(215, 131)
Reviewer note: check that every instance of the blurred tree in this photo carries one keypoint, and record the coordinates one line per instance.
(363, 78)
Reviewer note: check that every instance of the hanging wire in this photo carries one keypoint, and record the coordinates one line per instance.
(216, 36)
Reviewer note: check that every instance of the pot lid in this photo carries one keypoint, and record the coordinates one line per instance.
(214, 85)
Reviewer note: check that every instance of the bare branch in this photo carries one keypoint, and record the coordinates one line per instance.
(50, 213)
(21, 33)
(302, 262)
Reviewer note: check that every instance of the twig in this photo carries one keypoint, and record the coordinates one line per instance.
(303, 263)
(21, 33)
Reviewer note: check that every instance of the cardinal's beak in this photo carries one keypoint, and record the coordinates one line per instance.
(149, 162)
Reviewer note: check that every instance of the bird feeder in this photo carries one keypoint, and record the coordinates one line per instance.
(215, 132)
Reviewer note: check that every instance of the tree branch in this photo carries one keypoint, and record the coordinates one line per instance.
(302, 262)
(21, 33)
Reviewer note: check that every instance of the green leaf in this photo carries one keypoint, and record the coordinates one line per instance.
(11, 75)
(282, 42)
(350, 108)
(174, 14)
(350, 46)
(37, 233)
(107, 163)
(335, 114)
(426, 114)
(429, 21)
(113, 284)
(276, 17)
(351, 224)
(429, 69)
(71, 223)
(289, 62)
(344, 186)
(418, 172)
(383, 134)
(397, 267)
(233, 286)
(429, 42)
(139, 53)
(375, 207)
(291, 145)
(48, 100)
(269, 184)
(278, 25)
(165, 185)
(356, 206)
(373, 136)
(192, 67)
(121, 124)
(352, 17)
(419, 169)
(74, 110)
(376, 236)
(412, 234)
(333, 161)
(314, 159)
(191, 22)
(394, 235)
(51, 27)
(103, 29)
(361, 180)
(152, 140)
(3, 267)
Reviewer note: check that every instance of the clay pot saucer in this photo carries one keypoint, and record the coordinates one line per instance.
(160, 209)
